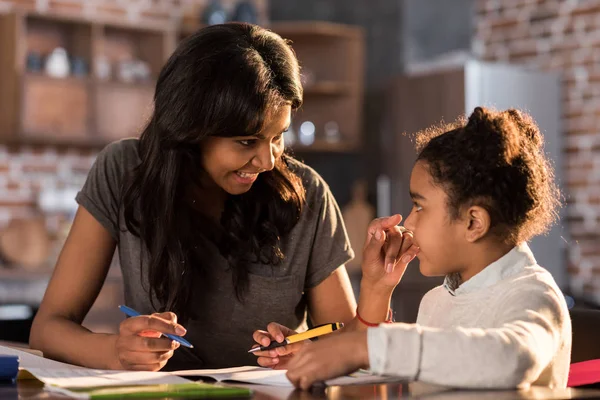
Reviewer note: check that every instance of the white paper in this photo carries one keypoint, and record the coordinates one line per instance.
(27, 360)
(271, 377)
(247, 374)
(86, 378)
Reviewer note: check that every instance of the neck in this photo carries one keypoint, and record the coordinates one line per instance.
(209, 199)
(481, 255)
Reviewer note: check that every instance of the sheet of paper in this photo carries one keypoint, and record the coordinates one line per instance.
(247, 374)
(361, 377)
(270, 377)
(85, 378)
(27, 360)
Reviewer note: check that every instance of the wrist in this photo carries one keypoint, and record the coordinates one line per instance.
(362, 349)
(375, 288)
(114, 361)
(372, 313)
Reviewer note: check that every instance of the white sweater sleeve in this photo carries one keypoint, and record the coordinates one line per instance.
(511, 354)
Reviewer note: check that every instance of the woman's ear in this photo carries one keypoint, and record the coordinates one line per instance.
(478, 223)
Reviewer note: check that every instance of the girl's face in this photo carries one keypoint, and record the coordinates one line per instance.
(441, 241)
(233, 163)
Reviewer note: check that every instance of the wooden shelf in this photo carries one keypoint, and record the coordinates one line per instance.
(127, 85)
(40, 140)
(316, 28)
(85, 80)
(147, 26)
(323, 146)
(37, 109)
(328, 88)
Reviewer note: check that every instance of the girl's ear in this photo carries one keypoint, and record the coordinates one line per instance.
(478, 223)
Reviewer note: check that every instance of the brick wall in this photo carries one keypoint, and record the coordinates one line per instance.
(26, 171)
(563, 36)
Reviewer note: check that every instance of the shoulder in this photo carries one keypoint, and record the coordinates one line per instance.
(434, 294)
(118, 158)
(535, 289)
(124, 150)
(314, 185)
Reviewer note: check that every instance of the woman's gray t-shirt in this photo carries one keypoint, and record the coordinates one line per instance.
(220, 327)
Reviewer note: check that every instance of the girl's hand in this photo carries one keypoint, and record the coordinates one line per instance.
(387, 252)
(277, 358)
(322, 360)
(140, 345)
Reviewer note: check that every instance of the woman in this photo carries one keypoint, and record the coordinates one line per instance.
(216, 229)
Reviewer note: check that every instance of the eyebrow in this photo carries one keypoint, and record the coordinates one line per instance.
(416, 196)
(262, 137)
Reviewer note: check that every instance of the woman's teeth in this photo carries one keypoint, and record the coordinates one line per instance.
(246, 175)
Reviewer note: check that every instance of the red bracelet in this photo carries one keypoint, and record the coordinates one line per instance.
(389, 320)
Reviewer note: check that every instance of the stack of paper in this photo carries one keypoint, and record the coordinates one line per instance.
(81, 382)
(89, 383)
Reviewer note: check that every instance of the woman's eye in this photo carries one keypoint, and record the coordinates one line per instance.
(247, 143)
(417, 207)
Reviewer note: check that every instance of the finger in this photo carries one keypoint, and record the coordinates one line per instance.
(153, 334)
(408, 255)
(392, 248)
(268, 362)
(407, 241)
(145, 358)
(381, 224)
(279, 332)
(142, 323)
(373, 249)
(306, 382)
(276, 331)
(169, 316)
(289, 349)
(145, 367)
(262, 337)
(147, 344)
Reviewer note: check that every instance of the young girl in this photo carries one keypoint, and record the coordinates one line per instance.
(480, 191)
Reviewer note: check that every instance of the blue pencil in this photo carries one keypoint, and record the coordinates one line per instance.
(132, 313)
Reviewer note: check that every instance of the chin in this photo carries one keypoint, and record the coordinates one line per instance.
(236, 192)
(429, 270)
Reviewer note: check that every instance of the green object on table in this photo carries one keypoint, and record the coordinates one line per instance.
(193, 389)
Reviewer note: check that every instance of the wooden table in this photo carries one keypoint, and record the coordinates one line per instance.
(34, 390)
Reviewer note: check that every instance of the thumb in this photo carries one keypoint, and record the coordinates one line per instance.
(372, 251)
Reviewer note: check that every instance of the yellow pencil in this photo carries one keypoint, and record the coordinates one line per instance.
(309, 334)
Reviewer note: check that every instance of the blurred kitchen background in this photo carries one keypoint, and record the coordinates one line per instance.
(77, 74)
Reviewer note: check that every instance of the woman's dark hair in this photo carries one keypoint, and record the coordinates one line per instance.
(494, 160)
(221, 81)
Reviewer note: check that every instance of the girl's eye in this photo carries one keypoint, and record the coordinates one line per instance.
(417, 207)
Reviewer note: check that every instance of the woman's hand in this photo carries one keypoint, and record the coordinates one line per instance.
(140, 345)
(279, 357)
(387, 252)
(322, 360)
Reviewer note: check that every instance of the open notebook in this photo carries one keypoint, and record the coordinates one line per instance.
(270, 377)
(57, 374)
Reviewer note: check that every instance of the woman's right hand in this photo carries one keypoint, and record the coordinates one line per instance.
(140, 344)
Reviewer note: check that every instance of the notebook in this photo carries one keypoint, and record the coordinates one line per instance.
(57, 374)
(271, 377)
(87, 383)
